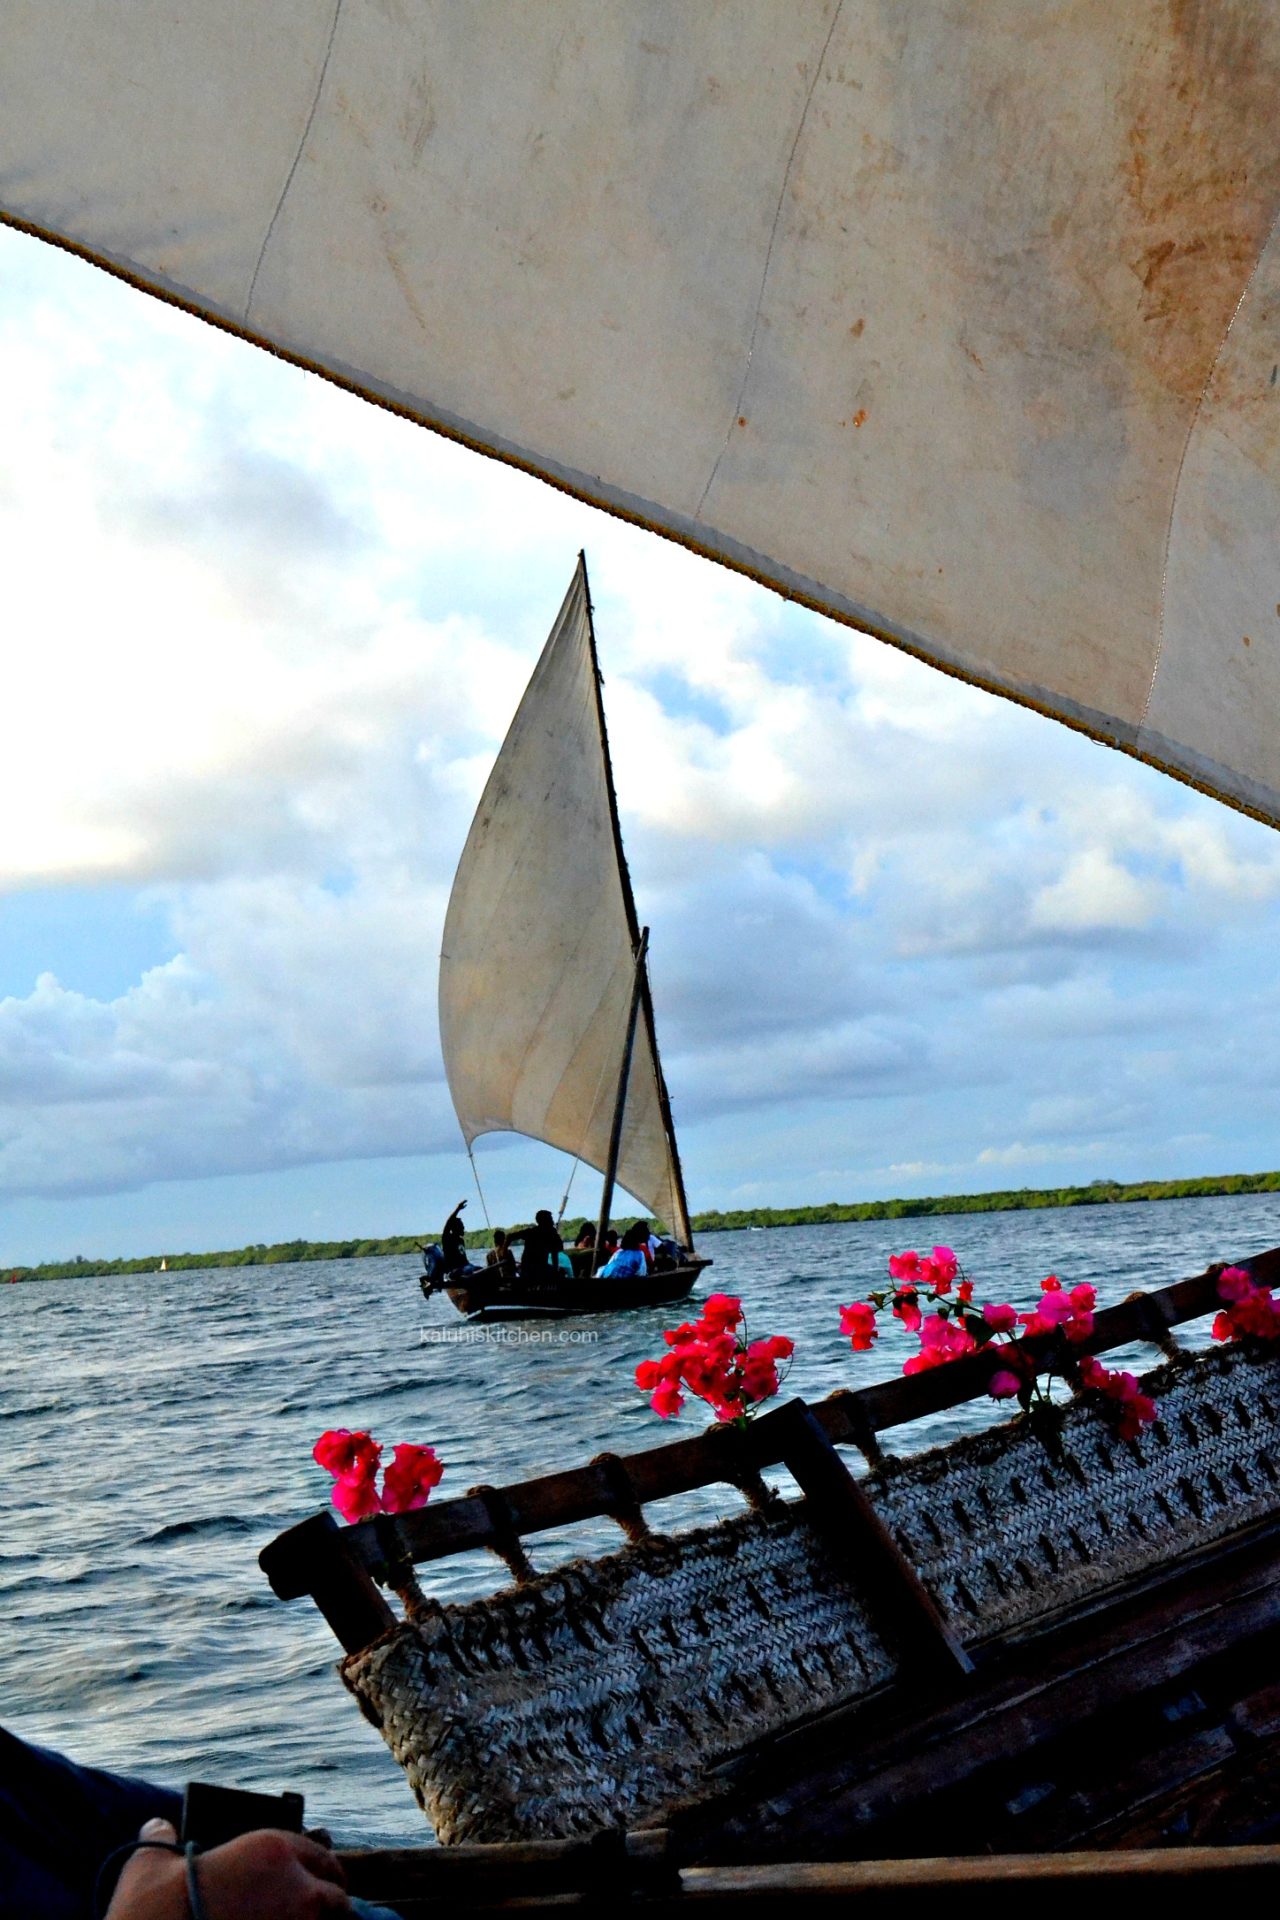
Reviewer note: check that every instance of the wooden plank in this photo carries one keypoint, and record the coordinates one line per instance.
(843, 1514)
(430, 1881)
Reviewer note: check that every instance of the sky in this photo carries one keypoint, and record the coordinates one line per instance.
(261, 644)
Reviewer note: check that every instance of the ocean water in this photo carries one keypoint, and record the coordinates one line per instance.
(157, 1432)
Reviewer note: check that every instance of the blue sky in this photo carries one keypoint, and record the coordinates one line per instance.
(262, 644)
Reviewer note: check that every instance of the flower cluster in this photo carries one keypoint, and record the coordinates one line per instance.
(354, 1458)
(1136, 1410)
(957, 1325)
(1248, 1309)
(712, 1358)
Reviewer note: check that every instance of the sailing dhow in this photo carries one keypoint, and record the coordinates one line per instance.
(546, 1016)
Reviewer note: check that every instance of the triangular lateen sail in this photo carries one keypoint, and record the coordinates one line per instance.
(538, 961)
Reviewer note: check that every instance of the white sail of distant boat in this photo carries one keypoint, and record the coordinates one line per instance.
(543, 978)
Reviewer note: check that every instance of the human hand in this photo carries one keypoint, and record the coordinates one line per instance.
(259, 1876)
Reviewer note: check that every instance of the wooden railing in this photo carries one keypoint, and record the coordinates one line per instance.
(341, 1567)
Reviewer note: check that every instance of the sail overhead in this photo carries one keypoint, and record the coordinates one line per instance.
(959, 322)
(538, 963)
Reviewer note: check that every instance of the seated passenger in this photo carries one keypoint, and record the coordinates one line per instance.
(563, 1261)
(640, 1236)
(631, 1257)
(502, 1255)
(587, 1237)
(626, 1263)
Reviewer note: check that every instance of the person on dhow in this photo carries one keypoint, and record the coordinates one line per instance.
(453, 1241)
(70, 1834)
(539, 1257)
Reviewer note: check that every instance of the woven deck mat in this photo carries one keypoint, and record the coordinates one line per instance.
(600, 1694)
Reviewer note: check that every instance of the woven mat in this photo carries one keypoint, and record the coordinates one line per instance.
(600, 1694)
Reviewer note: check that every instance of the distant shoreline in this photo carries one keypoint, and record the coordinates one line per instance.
(1101, 1193)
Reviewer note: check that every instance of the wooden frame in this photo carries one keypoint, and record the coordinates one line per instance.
(342, 1568)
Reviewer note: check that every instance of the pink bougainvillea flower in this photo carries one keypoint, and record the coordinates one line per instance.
(666, 1399)
(408, 1481)
(759, 1372)
(1051, 1285)
(1003, 1385)
(1136, 1412)
(859, 1323)
(712, 1359)
(1234, 1284)
(926, 1358)
(940, 1340)
(942, 1268)
(1054, 1308)
(906, 1307)
(1001, 1319)
(964, 1292)
(1083, 1298)
(720, 1311)
(355, 1495)
(342, 1452)
(680, 1336)
(1249, 1309)
(904, 1266)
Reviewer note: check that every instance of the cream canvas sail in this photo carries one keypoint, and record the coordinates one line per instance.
(960, 322)
(539, 958)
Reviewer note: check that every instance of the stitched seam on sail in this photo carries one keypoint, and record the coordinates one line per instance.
(768, 259)
(1186, 448)
(306, 134)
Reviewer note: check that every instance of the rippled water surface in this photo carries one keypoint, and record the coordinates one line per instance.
(158, 1428)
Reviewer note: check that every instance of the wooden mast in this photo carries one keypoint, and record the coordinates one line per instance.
(620, 1102)
(640, 949)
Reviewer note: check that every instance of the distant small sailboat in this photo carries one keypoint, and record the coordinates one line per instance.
(546, 1018)
(164, 1264)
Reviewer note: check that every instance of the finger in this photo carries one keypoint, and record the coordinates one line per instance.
(331, 1899)
(146, 1868)
(318, 1860)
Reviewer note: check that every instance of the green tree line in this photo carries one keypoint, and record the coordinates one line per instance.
(1099, 1193)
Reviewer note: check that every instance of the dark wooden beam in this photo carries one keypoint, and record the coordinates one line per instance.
(842, 1512)
(315, 1558)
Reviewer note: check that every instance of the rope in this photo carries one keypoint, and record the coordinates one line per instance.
(479, 1189)
(564, 1198)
